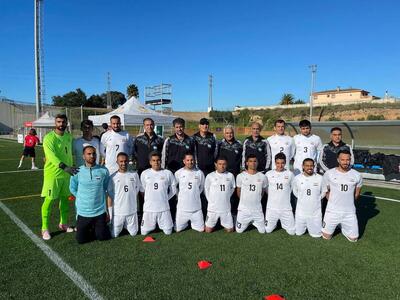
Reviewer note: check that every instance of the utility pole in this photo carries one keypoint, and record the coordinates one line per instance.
(313, 75)
(210, 86)
(109, 90)
(38, 43)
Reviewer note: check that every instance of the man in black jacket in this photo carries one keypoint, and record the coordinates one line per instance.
(232, 149)
(205, 145)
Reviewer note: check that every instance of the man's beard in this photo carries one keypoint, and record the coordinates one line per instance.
(61, 128)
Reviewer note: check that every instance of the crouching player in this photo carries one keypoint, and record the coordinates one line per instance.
(159, 187)
(89, 187)
(279, 191)
(219, 187)
(123, 190)
(344, 187)
(309, 191)
(251, 186)
(190, 185)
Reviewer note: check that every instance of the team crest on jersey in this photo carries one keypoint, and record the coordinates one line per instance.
(162, 178)
(97, 177)
(209, 146)
(259, 180)
(155, 147)
(315, 184)
(312, 143)
(286, 177)
(259, 149)
(236, 151)
(227, 179)
(352, 180)
(286, 143)
(196, 177)
(132, 179)
(187, 146)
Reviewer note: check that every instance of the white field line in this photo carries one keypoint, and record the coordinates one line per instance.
(20, 197)
(381, 198)
(76, 278)
(19, 171)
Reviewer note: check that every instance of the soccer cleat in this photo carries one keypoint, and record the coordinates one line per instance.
(66, 228)
(46, 235)
(35, 168)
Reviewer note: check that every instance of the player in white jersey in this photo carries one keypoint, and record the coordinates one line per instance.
(279, 208)
(159, 187)
(251, 186)
(281, 143)
(344, 187)
(307, 145)
(309, 191)
(113, 142)
(123, 189)
(218, 188)
(190, 182)
(86, 140)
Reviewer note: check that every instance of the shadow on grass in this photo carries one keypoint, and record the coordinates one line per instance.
(365, 210)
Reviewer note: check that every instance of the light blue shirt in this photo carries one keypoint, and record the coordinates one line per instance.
(89, 188)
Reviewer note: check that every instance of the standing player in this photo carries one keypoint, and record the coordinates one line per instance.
(232, 149)
(205, 144)
(123, 190)
(176, 146)
(279, 190)
(344, 187)
(307, 145)
(309, 191)
(257, 145)
(29, 148)
(219, 187)
(159, 187)
(190, 182)
(86, 139)
(145, 143)
(113, 142)
(89, 187)
(328, 158)
(281, 143)
(57, 146)
(251, 186)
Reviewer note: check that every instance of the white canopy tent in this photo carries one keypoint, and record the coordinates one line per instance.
(132, 112)
(45, 121)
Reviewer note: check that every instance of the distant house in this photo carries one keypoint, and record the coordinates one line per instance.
(342, 96)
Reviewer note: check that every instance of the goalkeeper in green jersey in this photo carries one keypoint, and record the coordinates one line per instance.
(58, 168)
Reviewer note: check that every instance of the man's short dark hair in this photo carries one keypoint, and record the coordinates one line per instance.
(123, 154)
(148, 119)
(85, 123)
(344, 151)
(280, 155)
(87, 147)
(104, 126)
(221, 157)
(308, 159)
(61, 116)
(178, 121)
(154, 153)
(304, 123)
(279, 121)
(250, 156)
(188, 153)
(336, 129)
(115, 117)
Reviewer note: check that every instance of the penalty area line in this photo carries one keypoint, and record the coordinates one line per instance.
(76, 278)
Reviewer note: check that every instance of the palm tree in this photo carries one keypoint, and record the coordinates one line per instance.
(132, 90)
(287, 99)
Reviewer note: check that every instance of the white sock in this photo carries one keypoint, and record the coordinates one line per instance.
(20, 163)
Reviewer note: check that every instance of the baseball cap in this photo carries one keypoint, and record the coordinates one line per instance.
(204, 121)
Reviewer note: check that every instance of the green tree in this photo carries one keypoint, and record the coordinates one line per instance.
(299, 101)
(117, 98)
(96, 101)
(73, 98)
(287, 99)
(132, 90)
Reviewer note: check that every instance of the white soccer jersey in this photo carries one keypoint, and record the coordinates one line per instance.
(279, 189)
(81, 143)
(159, 187)
(342, 188)
(306, 147)
(191, 185)
(251, 189)
(281, 144)
(123, 189)
(219, 188)
(309, 190)
(112, 143)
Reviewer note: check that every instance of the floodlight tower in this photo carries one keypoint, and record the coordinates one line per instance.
(313, 74)
(210, 86)
(39, 56)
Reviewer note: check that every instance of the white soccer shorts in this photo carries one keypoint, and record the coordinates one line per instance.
(224, 217)
(152, 219)
(348, 222)
(311, 223)
(285, 216)
(245, 217)
(196, 220)
(129, 222)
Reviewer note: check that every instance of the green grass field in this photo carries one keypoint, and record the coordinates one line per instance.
(245, 266)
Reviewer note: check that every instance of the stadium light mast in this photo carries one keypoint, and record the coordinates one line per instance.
(210, 86)
(313, 75)
(38, 40)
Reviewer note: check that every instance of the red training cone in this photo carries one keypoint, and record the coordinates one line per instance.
(274, 297)
(71, 198)
(204, 264)
(149, 239)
